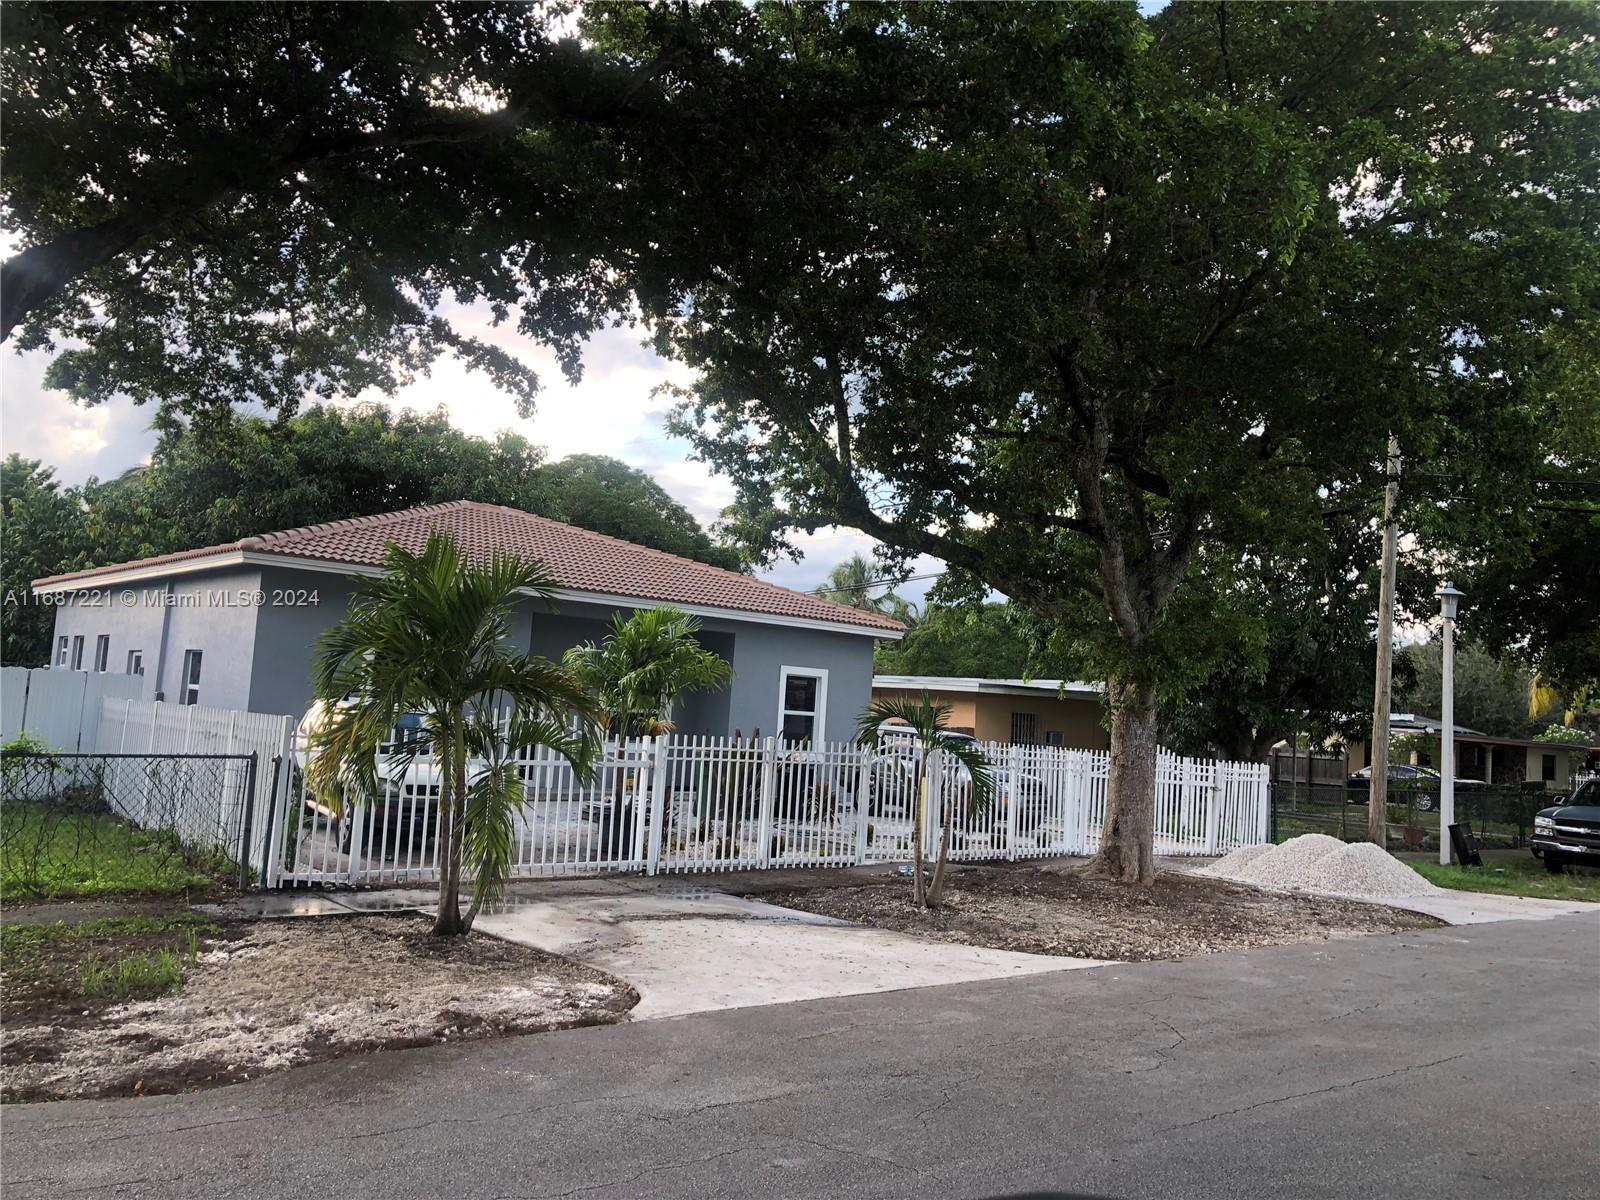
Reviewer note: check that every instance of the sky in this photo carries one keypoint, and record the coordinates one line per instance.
(611, 410)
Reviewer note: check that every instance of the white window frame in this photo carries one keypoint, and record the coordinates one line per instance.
(820, 715)
(61, 650)
(135, 662)
(189, 687)
(102, 653)
(77, 651)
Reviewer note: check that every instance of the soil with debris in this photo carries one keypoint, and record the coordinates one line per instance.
(1056, 910)
(264, 995)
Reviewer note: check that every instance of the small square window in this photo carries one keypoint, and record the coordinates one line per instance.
(802, 697)
(1024, 729)
(135, 662)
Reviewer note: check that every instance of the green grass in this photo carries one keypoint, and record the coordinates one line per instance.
(137, 977)
(30, 954)
(45, 856)
(1516, 876)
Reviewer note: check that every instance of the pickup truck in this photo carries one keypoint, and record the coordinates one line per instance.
(1569, 834)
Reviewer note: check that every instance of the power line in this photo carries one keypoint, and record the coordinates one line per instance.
(872, 583)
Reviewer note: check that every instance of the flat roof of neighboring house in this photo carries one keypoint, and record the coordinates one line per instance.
(998, 687)
(587, 566)
(1416, 723)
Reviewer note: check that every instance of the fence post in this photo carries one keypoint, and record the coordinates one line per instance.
(188, 727)
(658, 810)
(244, 833)
(1214, 804)
(863, 801)
(1014, 773)
(1264, 804)
(769, 772)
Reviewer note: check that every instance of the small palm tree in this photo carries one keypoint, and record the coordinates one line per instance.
(642, 667)
(430, 636)
(929, 721)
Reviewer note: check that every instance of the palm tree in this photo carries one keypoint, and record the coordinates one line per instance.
(430, 636)
(929, 722)
(851, 582)
(642, 667)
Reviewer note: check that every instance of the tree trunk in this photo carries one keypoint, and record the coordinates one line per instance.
(918, 896)
(447, 922)
(936, 891)
(1127, 837)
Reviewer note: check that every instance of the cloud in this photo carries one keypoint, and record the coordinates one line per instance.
(611, 410)
(35, 422)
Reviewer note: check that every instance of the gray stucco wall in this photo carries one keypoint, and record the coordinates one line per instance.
(214, 612)
(258, 657)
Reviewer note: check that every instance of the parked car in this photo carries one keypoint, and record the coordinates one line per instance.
(1569, 833)
(1405, 779)
(899, 744)
(407, 797)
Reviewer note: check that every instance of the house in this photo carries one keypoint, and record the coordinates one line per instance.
(1480, 756)
(1025, 712)
(234, 626)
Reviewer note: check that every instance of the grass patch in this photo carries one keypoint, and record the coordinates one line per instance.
(1520, 876)
(47, 855)
(116, 957)
(137, 977)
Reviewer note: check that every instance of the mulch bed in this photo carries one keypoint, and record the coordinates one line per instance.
(1058, 910)
(260, 996)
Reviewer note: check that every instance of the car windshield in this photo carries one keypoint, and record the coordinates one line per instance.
(1589, 793)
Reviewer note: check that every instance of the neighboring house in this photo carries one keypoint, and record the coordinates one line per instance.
(234, 626)
(1024, 712)
(1480, 755)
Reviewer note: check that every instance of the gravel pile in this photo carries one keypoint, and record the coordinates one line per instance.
(1318, 863)
(1362, 869)
(1235, 861)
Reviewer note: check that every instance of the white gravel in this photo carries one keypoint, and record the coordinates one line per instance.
(1315, 862)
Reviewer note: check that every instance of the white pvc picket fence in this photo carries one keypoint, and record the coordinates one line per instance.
(690, 804)
(233, 819)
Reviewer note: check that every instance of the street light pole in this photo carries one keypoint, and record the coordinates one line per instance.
(1449, 598)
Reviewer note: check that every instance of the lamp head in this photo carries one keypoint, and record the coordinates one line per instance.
(1449, 600)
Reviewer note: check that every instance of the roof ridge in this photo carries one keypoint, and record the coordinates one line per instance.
(362, 522)
(739, 575)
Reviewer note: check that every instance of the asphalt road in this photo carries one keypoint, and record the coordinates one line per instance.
(1454, 1063)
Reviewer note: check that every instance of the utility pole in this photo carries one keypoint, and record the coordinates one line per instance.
(1378, 796)
(1449, 598)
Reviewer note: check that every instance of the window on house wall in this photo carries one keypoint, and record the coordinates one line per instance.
(189, 685)
(102, 652)
(1024, 729)
(135, 662)
(61, 651)
(802, 703)
(1547, 767)
(1055, 738)
(77, 653)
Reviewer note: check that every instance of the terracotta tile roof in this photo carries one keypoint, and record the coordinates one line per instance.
(580, 559)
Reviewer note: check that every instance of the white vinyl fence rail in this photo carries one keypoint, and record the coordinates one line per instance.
(61, 708)
(682, 804)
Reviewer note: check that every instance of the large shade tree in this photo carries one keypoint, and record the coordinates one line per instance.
(1109, 306)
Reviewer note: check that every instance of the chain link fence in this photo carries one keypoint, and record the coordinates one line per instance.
(106, 824)
(1499, 815)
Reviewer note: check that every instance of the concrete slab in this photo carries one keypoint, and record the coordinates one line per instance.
(270, 905)
(1478, 908)
(691, 949)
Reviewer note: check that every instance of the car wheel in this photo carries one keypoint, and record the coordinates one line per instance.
(1554, 863)
(1425, 803)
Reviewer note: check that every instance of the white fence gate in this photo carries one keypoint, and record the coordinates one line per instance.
(682, 804)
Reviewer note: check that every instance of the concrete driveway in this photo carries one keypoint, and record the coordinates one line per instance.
(697, 949)
(1455, 1063)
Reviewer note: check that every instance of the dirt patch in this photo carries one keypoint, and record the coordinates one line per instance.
(1042, 911)
(265, 995)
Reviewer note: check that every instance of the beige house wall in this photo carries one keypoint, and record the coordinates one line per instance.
(987, 716)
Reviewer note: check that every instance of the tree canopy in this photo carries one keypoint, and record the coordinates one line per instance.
(988, 641)
(230, 476)
(1132, 305)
